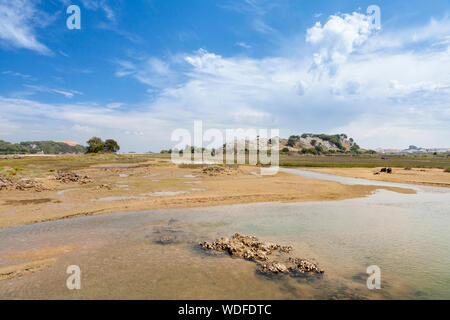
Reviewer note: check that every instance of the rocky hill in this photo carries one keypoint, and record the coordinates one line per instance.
(323, 142)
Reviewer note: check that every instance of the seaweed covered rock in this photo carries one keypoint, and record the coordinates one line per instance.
(250, 248)
(21, 184)
(247, 247)
(5, 183)
(67, 177)
(217, 171)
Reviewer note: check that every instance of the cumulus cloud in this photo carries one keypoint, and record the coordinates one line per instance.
(338, 38)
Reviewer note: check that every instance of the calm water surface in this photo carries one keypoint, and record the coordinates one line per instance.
(407, 236)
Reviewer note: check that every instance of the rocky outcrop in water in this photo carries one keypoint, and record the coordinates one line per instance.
(250, 248)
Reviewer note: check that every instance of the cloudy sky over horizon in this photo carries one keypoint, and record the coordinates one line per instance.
(138, 70)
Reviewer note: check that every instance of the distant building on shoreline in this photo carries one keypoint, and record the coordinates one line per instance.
(415, 150)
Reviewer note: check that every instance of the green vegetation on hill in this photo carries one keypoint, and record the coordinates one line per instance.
(35, 147)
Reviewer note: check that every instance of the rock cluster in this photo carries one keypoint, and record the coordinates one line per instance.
(216, 171)
(250, 248)
(22, 184)
(67, 177)
(5, 183)
(170, 234)
(293, 266)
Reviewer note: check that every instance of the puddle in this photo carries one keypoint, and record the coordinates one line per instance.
(190, 182)
(190, 176)
(123, 175)
(256, 174)
(164, 193)
(119, 198)
(62, 192)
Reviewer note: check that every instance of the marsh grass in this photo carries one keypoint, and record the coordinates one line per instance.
(365, 161)
(39, 166)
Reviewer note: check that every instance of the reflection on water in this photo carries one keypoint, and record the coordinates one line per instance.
(154, 254)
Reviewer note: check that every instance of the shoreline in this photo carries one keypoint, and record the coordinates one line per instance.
(415, 176)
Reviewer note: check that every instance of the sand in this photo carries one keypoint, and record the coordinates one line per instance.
(36, 260)
(173, 187)
(430, 177)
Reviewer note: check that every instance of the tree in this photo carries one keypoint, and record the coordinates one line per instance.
(111, 146)
(292, 141)
(95, 145)
(285, 150)
(355, 148)
(319, 149)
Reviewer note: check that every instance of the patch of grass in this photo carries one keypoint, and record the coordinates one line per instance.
(14, 171)
(365, 161)
(447, 170)
(191, 166)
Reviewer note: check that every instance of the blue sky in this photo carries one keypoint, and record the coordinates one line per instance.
(137, 70)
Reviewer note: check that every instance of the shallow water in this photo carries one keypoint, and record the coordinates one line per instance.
(406, 235)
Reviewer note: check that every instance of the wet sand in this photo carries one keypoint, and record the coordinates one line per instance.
(135, 187)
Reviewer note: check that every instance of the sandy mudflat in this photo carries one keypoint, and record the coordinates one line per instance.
(430, 177)
(133, 188)
(36, 260)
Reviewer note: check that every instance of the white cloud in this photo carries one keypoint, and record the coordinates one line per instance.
(7, 127)
(243, 45)
(114, 105)
(18, 19)
(338, 38)
(18, 74)
(151, 71)
(66, 93)
(83, 129)
(100, 5)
